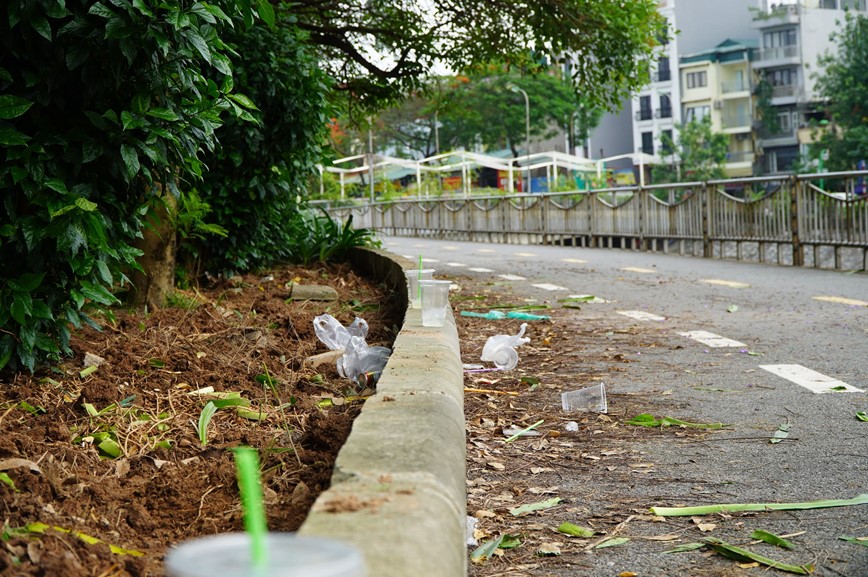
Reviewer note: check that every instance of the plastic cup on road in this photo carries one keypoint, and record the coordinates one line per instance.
(413, 276)
(589, 399)
(289, 555)
(435, 302)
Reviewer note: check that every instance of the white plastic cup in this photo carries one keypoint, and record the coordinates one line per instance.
(505, 358)
(289, 555)
(435, 302)
(589, 399)
(413, 277)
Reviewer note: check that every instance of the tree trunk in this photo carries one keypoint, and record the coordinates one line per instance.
(152, 287)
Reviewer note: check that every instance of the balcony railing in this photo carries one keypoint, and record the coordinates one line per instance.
(664, 112)
(662, 76)
(644, 114)
(785, 90)
(733, 157)
(734, 86)
(735, 120)
(778, 53)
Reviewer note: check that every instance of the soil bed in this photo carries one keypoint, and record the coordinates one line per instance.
(102, 471)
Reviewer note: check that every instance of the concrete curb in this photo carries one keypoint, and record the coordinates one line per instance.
(398, 490)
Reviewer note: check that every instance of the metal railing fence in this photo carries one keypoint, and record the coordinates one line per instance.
(817, 220)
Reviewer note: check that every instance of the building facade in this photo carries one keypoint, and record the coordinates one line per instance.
(792, 38)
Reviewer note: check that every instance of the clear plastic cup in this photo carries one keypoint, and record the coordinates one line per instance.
(504, 357)
(414, 296)
(588, 399)
(435, 302)
(289, 555)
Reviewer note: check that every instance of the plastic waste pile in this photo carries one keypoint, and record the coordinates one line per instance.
(359, 360)
(500, 349)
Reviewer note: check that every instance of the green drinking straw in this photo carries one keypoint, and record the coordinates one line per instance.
(419, 284)
(247, 468)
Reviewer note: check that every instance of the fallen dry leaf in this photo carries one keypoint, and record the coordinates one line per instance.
(496, 466)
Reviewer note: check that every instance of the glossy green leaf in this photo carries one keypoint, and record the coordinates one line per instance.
(12, 106)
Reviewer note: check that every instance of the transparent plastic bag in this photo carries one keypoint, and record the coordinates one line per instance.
(335, 335)
(358, 357)
(500, 349)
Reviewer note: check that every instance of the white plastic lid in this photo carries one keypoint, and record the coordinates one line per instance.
(289, 555)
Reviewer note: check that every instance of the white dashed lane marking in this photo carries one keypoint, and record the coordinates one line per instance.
(721, 282)
(550, 287)
(842, 301)
(485, 250)
(457, 264)
(574, 260)
(641, 316)
(524, 254)
(811, 380)
(638, 269)
(480, 269)
(710, 339)
(511, 277)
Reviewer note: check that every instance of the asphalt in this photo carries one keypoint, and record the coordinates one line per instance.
(398, 490)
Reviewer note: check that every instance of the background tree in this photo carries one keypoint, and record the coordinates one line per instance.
(699, 154)
(379, 50)
(481, 110)
(843, 82)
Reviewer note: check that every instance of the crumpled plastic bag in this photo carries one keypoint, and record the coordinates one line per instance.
(358, 357)
(500, 349)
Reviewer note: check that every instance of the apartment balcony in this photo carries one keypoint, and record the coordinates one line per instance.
(776, 14)
(740, 157)
(778, 56)
(734, 121)
(734, 87)
(644, 114)
(665, 112)
(662, 76)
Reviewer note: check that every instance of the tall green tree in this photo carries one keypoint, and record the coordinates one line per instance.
(843, 81)
(698, 154)
(379, 50)
(488, 108)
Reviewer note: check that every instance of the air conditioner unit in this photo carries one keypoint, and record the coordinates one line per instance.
(718, 104)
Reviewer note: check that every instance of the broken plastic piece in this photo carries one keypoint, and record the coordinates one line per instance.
(500, 349)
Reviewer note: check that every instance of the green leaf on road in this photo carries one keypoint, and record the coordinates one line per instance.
(575, 530)
(614, 542)
(746, 556)
(862, 416)
(531, 507)
(782, 433)
(486, 550)
(741, 507)
(648, 420)
(772, 539)
(855, 540)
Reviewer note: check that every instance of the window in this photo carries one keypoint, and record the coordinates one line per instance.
(784, 122)
(664, 73)
(780, 38)
(697, 79)
(645, 108)
(697, 113)
(782, 77)
(665, 106)
(648, 142)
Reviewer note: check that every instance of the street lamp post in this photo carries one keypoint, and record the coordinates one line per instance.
(526, 117)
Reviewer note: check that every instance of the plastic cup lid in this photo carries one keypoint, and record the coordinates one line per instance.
(289, 555)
